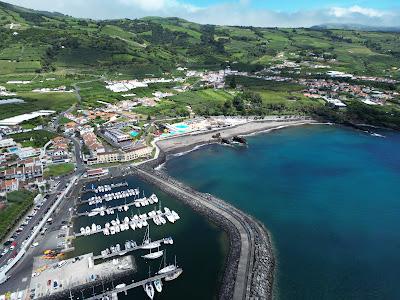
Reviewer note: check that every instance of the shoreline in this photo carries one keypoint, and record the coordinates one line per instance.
(250, 264)
(190, 142)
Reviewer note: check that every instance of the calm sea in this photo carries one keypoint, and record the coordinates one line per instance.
(330, 197)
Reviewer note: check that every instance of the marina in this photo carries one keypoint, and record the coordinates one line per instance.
(150, 249)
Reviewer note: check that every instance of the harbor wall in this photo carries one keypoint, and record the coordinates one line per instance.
(257, 279)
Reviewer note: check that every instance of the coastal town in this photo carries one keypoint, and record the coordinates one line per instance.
(94, 112)
(86, 144)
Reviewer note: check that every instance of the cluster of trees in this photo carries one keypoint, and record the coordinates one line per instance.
(17, 204)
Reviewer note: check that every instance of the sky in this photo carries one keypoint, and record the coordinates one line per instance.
(267, 13)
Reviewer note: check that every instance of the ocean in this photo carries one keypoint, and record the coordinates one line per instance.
(329, 197)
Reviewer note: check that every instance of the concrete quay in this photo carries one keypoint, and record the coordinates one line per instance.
(250, 265)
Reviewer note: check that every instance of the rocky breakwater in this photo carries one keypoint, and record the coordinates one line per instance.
(250, 264)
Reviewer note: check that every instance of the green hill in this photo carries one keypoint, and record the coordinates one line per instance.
(42, 41)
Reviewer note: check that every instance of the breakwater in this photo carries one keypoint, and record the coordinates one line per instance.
(250, 264)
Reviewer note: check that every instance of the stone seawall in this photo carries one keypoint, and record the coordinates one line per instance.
(250, 263)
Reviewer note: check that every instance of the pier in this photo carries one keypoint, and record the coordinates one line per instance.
(126, 251)
(109, 195)
(119, 207)
(133, 285)
(112, 185)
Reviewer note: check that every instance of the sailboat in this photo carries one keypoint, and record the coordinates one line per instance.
(154, 255)
(175, 274)
(166, 269)
(147, 243)
(148, 288)
(158, 285)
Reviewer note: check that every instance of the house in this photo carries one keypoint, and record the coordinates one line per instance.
(9, 185)
(5, 143)
(23, 173)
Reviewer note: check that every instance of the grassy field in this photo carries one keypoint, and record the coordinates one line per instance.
(36, 101)
(36, 138)
(59, 170)
(18, 204)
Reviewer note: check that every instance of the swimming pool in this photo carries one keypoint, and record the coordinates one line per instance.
(181, 126)
(13, 149)
(134, 133)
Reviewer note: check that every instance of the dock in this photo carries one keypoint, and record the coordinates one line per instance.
(103, 197)
(119, 207)
(112, 185)
(126, 251)
(147, 218)
(133, 285)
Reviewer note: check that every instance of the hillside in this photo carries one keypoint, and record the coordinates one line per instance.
(33, 41)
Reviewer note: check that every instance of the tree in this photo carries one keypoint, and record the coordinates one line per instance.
(232, 82)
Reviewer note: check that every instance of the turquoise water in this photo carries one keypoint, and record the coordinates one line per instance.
(329, 196)
(181, 126)
(134, 133)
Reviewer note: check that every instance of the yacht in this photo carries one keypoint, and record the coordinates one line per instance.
(149, 289)
(158, 285)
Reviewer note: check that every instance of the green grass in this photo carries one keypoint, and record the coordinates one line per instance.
(36, 101)
(18, 204)
(59, 170)
(36, 138)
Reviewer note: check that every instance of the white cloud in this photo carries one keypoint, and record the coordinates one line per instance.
(229, 12)
(346, 11)
(147, 5)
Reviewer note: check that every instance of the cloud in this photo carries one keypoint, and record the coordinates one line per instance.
(227, 12)
(346, 11)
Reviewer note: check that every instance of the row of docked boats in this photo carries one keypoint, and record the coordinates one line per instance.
(140, 221)
(175, 273)
(107, 187)
(90, 229)
(102, 211)
(113, 196)
(116, 250)
(153, 199)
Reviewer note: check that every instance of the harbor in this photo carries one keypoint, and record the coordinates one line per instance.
(174, 239)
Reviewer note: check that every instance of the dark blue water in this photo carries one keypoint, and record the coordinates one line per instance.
(329, 196)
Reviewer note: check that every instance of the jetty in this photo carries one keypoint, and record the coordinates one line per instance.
(249, 271)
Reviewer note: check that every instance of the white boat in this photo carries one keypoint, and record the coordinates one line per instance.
(120, 286)
(147, 243)
(174, 275)
(154, 255)
(158, 285)
(149, 289)
(150, 245)
(93, 213)
(167, 269)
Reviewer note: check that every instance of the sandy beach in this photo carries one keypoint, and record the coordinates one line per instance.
(188, 141)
